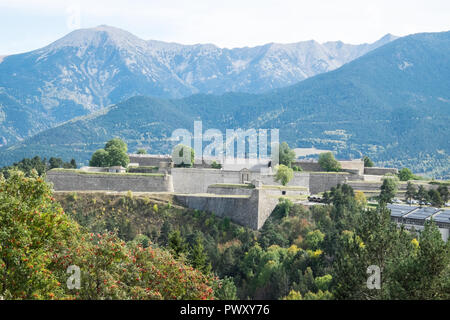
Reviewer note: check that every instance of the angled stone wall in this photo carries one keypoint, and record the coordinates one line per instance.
(308, 166)
(193, 180)
(196, 180)
(230, 190)
(149, 160)
(321, 182)
(379, 171)
(300, 179)
(353, 166)
(67, 180)
(250, 211)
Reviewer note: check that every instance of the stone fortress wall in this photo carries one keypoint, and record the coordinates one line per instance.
(226, 192)
(248, 210)
(321, 182)
(309, 166)
(351, 166)
(247, 189)
(149, 160)
(193, 180)
(379, 171)
(237, 189)
(70, 180)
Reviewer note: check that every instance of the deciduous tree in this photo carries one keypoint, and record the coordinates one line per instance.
(388, 190)
(411, 191)
(328, 163)
(284, 174)
(287, 155)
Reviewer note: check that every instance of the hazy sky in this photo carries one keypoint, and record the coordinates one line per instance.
(30, 24)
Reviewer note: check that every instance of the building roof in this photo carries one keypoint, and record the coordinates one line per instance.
(399, 210)
(423, 213)
(419, 213)
(442, 216)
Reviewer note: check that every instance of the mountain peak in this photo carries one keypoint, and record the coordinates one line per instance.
(100, 35)
(387, 38)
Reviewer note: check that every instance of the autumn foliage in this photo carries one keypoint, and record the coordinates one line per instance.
(38, 242)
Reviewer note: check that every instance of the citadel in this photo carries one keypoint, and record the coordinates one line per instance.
(244, 191)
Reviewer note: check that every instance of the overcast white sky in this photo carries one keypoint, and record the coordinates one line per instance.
(30, 24)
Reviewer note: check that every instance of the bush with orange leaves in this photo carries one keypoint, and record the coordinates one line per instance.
(38, 242)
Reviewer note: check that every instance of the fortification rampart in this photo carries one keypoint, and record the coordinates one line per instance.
(353, 166)
(196, 180)
(321, 182)
(371, 187)
(273, 190)
(310, 166)
(288, 191)
(190, 181)
(222, 189)
(250, 211)
(379, 171)
(149, 160)
(193, 180)
(300, 179)
(66, 180)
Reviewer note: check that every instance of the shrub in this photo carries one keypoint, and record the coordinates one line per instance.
(286, 154)
(216, 165)
(183, 156)
(130, 194)
(72, 196)
(368, 163)
(328, 163)
(405, 174)
(114, 154)
(284, 174)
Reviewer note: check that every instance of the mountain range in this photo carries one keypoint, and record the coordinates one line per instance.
(391, 104)
(90, 69)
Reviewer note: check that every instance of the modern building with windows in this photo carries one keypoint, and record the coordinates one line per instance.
(414, 218)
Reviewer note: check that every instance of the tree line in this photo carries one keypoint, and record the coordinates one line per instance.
(27, 165)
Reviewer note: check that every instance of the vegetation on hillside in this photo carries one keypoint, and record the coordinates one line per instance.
(39, 241)
(436, 197)
(317, 253)
(38, 164)
(406, 174)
